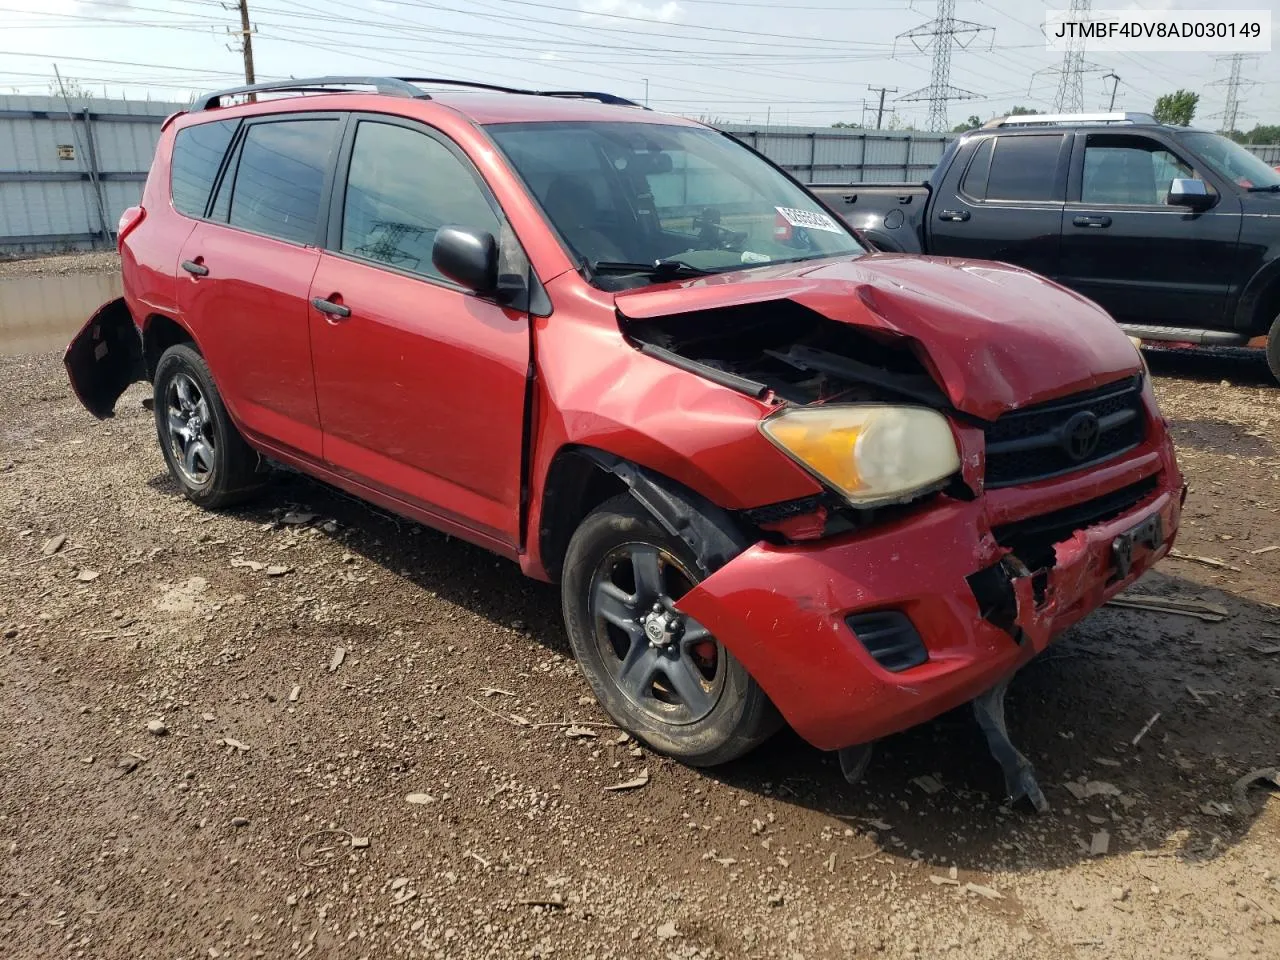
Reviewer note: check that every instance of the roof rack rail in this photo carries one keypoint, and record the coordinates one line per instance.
(392, 86)
(608, 98)
(1039, 119)
(396, 87)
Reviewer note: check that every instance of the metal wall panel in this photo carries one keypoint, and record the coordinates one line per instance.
(47, 198)
(48, 202)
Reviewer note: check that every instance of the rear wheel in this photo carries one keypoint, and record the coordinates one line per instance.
(661, 675)
(1273, 349)
(205, 453)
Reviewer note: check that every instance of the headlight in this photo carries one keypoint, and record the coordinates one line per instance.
(1137, 345)
(871, 454)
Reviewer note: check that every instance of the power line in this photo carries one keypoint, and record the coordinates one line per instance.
(940, 34)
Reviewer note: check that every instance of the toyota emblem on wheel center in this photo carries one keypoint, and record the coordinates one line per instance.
(1080, 435)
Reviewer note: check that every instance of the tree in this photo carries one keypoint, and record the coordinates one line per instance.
(1021, 112)
(845, 125)
(71, 88)
(972, 123)
(1176, 109)
(1269, 133)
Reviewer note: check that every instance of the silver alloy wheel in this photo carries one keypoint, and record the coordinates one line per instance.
(665, 663)
(190, 428)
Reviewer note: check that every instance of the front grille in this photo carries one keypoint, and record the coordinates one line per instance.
(1065, 435)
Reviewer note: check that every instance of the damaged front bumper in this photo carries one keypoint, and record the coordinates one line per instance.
(938, 579)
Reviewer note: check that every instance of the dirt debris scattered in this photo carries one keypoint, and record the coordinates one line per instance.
(397, 764)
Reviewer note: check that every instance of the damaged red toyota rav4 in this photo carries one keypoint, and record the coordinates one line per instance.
(778, 477)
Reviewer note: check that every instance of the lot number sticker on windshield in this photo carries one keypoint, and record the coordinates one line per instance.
(810, 219)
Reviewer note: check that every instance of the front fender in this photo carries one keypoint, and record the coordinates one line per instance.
(105, 357)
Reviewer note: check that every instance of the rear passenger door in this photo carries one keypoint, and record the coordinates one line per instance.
(1004, 202)
(421, 384)
(245, 274)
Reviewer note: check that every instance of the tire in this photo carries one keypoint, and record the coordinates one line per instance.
(1273, 349)
(683, 694)
(206, 455)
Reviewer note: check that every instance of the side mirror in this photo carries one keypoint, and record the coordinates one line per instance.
(1189, 193)
(467, 257)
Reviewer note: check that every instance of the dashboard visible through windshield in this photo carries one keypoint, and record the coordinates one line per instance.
(639, 202)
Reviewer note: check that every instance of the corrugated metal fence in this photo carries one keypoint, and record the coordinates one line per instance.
(834, 155)
(69, 168)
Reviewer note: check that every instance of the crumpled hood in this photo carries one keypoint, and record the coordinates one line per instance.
(997, 337)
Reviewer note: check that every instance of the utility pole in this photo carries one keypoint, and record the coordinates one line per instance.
(1115, 83)
(246, 42)
(1070, 95)
(880, 109)
(940, 35)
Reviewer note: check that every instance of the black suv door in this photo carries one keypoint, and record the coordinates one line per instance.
(1125, 248)
(1002, 200)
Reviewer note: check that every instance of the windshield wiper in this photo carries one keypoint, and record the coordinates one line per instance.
(1269, 188)
(658, 270)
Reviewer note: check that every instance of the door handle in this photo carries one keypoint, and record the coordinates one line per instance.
(1095, 222)
(954, 216)
(195, 268)
(331, 308)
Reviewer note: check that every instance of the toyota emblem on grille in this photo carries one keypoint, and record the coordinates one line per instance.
(1080, 435)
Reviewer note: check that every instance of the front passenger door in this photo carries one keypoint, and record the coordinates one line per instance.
(420, 383)
(1139, 258)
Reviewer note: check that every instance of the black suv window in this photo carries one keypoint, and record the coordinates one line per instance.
(402, 187)
(197, 155)
(1128, 170)
(1024, 167)
(280, 178)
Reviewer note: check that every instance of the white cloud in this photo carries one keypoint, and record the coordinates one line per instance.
(549, 55)
(666, 12)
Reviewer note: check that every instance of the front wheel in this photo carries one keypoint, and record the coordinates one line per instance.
(205, 453)
(659, 674)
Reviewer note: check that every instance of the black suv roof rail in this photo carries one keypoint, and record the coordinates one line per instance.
(1064, 119)
(395, 87)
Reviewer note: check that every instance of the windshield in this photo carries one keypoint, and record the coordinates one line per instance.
(1231, 161)
(636, 194)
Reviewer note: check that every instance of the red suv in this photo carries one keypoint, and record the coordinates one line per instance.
(776, 475)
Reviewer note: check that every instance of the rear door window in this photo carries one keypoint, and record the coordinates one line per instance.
(280, 178)
(1025, 168)
(197, 156)
(402, 187)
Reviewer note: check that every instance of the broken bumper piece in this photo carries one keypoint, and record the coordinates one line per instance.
(785, 611)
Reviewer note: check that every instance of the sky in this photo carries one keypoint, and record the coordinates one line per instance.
(807, 62)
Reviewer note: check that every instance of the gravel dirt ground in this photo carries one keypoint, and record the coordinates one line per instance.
(308, 728)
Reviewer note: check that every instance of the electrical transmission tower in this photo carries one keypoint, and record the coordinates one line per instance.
(940, 35)
(1070, 95)
(1231, 112)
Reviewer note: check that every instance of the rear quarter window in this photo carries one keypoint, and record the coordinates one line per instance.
(1024, 167)
(197, 156)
